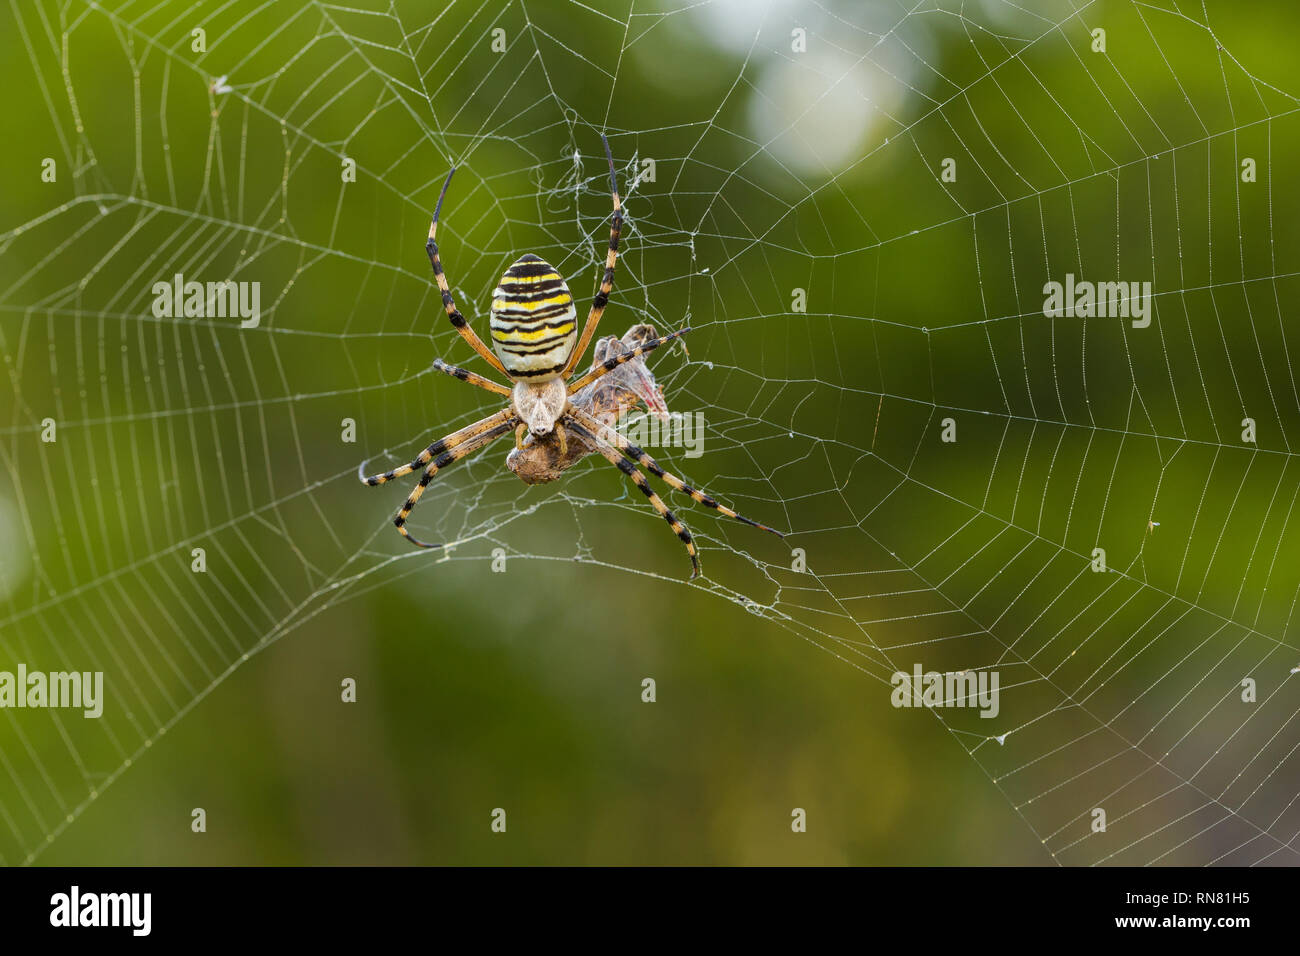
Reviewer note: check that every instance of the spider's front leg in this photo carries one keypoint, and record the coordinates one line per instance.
(638, 479)
(439, 455)
(448, 443)
(612, 437)
(442, 461)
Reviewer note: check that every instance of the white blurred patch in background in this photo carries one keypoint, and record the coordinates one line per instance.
(824, 83)
(819, 112)
(15, 559)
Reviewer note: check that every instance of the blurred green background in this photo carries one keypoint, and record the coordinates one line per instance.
(795, 146)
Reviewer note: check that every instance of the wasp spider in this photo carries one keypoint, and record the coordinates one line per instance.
(537, 347)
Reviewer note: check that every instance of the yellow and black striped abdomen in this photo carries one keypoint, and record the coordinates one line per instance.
(534, 323)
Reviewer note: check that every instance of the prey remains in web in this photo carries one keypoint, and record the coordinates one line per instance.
(537, 347)
(608, 399)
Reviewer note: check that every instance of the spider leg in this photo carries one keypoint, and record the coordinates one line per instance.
(625, 466)
(607, 282)
(649, 464)
(610, 364)
(442, 461)
(465, 375)
(457, 320)
(454, 440)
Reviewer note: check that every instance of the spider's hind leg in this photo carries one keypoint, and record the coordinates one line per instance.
(607, 280)
(448, 303)
(599, 371)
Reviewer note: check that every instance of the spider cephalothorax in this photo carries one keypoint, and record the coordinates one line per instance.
(534, 335)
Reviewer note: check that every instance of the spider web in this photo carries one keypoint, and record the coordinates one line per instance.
(816, 169)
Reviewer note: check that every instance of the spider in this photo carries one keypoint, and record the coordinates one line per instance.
(534, 333)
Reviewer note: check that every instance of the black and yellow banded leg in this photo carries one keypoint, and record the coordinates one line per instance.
(465, 375)
(457, 320)
(442, 461)
(625, 466)
(607, 281)
(454, 440)
(604, 368)
(652, 466)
